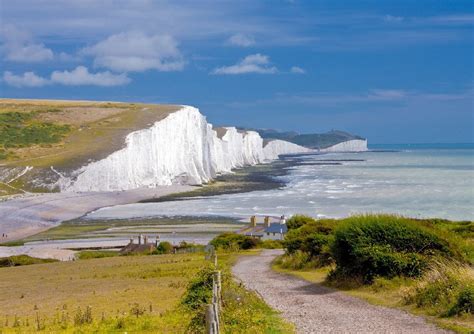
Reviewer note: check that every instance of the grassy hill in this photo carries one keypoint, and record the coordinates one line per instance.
(63, 134)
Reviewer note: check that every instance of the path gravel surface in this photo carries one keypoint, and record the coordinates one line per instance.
(317, 309)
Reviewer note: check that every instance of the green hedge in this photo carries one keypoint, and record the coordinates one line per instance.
(387, 246)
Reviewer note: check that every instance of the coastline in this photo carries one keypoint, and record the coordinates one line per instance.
(29, 215)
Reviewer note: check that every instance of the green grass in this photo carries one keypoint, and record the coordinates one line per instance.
(21, 130)
(22, 260)
(96, 254)
(123, 294)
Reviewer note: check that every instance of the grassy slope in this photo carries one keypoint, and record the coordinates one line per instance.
(94, 137)
(95, 130)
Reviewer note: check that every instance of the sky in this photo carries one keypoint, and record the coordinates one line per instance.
(392, 71)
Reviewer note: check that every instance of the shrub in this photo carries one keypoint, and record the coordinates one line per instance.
(447, 289)
(387, 246)
(164, 247)
(234, 241)
(199, 290)
(313, 239)
(297, 221)
(464, 302)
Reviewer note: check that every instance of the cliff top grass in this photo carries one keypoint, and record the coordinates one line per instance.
(68, 134)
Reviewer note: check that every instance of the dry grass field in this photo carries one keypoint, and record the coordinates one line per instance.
(111, 287)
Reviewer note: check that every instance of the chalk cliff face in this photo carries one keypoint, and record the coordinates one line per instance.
(356, 145)
(277, 147)
(180, 149)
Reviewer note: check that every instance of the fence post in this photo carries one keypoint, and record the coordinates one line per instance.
(210, 323)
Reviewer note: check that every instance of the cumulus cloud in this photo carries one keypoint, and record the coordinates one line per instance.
(80, 76)
(19, 46)
(27, 79)
(297, 70)
(256, 63)
(241, 40)
(137, 52)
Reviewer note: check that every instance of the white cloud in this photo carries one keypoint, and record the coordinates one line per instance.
(297, 70)
(137, 52)
(19, 46)
(81, 76)
(28, 79)
(241, 40)
(391, 18)
(386, 94)
(256, 63)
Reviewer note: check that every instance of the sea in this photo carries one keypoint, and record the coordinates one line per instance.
(414, 180)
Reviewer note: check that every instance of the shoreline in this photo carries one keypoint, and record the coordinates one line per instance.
(29, 215)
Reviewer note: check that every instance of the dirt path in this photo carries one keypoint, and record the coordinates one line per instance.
(317, 309)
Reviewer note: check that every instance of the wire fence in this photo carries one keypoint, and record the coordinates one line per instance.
(213, 309)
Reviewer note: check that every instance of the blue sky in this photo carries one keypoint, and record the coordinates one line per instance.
(393, 71)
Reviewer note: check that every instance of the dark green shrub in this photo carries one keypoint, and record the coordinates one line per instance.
(234, 241)
(297, 221)
(164, 247)
(387, 246)
(464, 302)
(199, 290)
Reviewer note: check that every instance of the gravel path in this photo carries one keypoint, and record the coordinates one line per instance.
(317, 309)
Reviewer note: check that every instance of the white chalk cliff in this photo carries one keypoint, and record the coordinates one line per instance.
(355, 145)
(180, 149)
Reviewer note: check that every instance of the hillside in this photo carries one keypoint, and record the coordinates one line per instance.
(38, 134)
(311, 140)
(78, 146)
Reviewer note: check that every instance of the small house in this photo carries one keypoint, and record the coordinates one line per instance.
(142, 247)
(266, 231)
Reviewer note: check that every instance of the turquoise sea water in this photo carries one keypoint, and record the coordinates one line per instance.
(414, 180)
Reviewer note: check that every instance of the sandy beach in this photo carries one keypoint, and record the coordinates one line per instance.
(34, 213)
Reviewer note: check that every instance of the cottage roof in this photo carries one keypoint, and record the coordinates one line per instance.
(276, 228)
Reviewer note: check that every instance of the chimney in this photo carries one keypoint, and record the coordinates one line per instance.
(139, 239)
(266, 221)
(253, 221)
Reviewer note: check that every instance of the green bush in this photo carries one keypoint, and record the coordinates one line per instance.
(199, 290)
(464, 302)
(164, 247)
(313, 239)
(387, 246)
(235, 241)
(297, 221)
